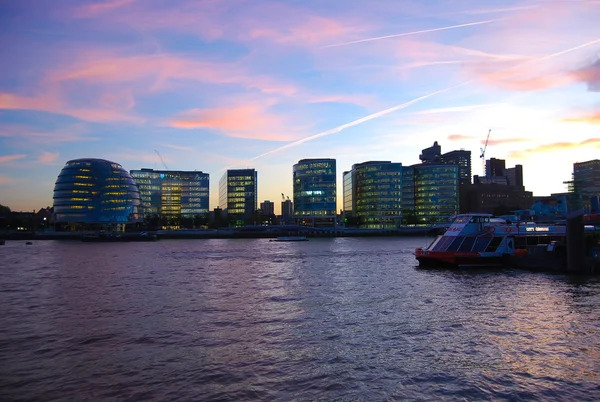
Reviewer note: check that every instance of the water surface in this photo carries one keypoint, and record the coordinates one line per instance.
(327, 319)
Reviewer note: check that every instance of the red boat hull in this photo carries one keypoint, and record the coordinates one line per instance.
(457, 259)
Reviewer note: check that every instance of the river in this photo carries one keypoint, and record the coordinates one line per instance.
(253, 320)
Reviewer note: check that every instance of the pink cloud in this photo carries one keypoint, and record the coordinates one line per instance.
(503, 141)
(459, 137)
(54, 102)
(6, 180)
(591, 118)
(159, 71)
(94, 9)
(48, 157)
(557, 146)
(247, 121)
(10, 158)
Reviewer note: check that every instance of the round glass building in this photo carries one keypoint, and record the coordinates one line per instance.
(95, 191)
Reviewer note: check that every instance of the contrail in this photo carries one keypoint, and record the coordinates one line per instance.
(403, 105)
(411, 33)
(359, 121)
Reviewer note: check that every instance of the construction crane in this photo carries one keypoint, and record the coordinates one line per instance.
(161, 159)
(483, 151)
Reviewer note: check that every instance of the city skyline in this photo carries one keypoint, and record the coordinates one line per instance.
(217, 85)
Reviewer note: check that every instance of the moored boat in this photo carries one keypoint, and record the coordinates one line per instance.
(290, 238)
(480, 240)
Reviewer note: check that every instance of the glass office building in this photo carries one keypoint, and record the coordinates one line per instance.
(430, 193)
(314, 184)
(376, 189)
(238, 195)
(95, 191)
(173, 194)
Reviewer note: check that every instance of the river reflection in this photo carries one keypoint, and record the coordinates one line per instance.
(328, 319)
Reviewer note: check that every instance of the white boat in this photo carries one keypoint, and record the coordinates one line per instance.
(290, 238)
(482, 240)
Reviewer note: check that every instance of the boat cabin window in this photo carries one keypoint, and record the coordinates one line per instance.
(455, 244)
(494, 244)
(443, 244)
(467, 244)
(481, 243)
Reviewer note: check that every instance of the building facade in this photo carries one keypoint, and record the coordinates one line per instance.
(238, 195)
(287, 212)
(173, 195)
(462, 159)
(95, 191)
(376, 194)
(430, 193)
(586, 181)
(314, 184)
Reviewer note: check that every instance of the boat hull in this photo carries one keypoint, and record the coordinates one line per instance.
(458, 260)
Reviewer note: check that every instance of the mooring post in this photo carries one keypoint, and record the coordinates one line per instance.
(575, 243)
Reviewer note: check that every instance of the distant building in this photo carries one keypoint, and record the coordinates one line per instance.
(238, 195)
(495, 167)
(514, 176)
(267, 207)
(462, 159)
(314, 184)
(173, 195)
(494, 198)
(347, 188)
(433, 154)
(375, 191)
(95, 191)
(287, 212)
(430, 193)
(586, 181)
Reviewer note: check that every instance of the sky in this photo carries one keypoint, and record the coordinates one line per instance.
(211, 85)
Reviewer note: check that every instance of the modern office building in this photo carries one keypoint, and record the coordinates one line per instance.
(173, 195)
(375, 190)
(314, 184)
(238, 195)
(586, 182)
(94, 191)
(461, 158)
(347, 189)
(430, 193)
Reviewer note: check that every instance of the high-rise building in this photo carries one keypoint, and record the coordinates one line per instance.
(433, 154)
(173, 195)
(514, 176)
(287, 212)
(495, 167)
(376, 194)
(238, 195)
(586, 181)
(347, 192)
(94, 191)
(267, 207)
(314, 184)
(462, 159)
(430, 193)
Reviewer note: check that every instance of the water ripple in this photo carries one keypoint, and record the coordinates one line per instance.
(252, 320)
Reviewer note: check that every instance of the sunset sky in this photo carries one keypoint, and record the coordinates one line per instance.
(221, 84)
